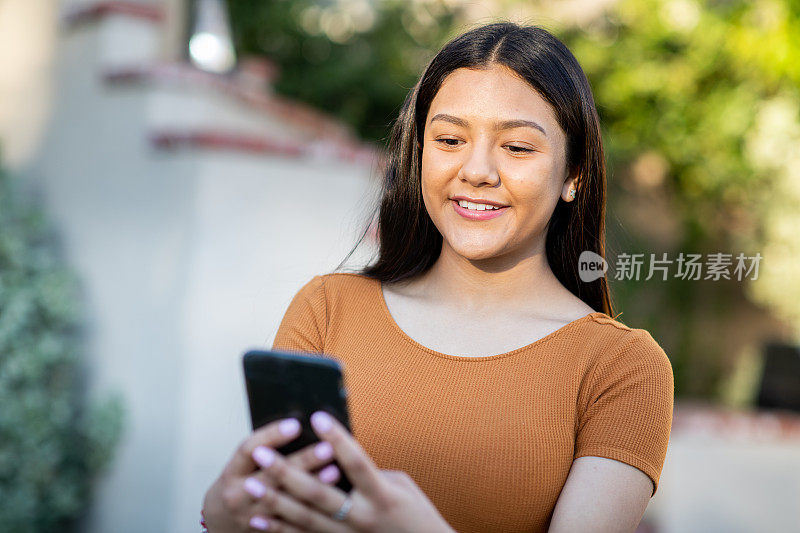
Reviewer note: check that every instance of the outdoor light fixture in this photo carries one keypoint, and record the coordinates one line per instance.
(210, 45)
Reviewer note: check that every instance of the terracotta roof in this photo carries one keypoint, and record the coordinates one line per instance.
(327, 135)
(217, 139)
(93, 10)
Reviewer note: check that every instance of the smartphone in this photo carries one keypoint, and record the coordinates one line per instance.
(290, 385)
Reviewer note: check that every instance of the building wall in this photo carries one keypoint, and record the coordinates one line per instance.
(188, 257)
(260, 234)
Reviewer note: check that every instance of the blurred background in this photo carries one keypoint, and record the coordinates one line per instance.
(173, 171)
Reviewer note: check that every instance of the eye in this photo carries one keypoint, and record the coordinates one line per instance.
(447, 141)
(518, 149)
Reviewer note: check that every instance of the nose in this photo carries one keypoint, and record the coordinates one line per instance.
(479, 168)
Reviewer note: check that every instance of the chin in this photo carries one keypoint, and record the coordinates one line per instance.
(477, 252)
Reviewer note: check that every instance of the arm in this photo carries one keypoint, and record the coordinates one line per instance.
(621, 439)
(601, 496)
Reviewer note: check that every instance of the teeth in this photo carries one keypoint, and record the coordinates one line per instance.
(476, 207)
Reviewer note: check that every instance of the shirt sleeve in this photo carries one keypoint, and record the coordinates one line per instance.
(627, 412)
(304, 324)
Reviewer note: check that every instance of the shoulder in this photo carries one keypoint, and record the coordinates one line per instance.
(639, 344)
(315, 307)
(336, 284)
(611, 348)
(624, 339)
(630, 352)
(330, 291)
(602, 318)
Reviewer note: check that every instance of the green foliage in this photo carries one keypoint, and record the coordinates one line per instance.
(686, 80)
(52, 443)
(355, 63)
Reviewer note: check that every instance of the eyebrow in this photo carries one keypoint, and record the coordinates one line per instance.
(504, 125)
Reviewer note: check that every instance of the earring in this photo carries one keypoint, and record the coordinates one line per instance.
(572, 193)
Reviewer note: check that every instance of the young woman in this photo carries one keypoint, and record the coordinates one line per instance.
(490, 389)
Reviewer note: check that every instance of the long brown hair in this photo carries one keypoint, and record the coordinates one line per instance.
(409, 242)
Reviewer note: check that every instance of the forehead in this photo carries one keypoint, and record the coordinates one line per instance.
(494, 93)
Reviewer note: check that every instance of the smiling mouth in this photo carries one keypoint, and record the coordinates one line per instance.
(473, 211)
(473, 206)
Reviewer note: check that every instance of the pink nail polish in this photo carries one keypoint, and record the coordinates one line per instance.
(321, 421)
(260, 523)
(254, 487)
(323, 450)
(289, 427)
(329, 474)
(264, 456)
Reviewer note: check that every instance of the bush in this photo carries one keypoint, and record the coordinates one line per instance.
(53, 442)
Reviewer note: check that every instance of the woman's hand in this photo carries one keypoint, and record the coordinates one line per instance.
(384, 501)
(234, 502)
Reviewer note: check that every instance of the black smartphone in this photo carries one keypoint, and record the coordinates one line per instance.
(290, 385)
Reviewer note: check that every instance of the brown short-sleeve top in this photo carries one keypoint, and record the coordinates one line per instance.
(490, 440)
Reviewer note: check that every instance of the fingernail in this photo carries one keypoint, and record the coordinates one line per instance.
(259, 522)
(254, 487)
(264, 456)
(323, 450)
(289, 427)
(321, 421)
(328, 474)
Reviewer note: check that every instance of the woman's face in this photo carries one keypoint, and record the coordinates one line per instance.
(490, 137)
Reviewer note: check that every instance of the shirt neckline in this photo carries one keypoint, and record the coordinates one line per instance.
(396, 327)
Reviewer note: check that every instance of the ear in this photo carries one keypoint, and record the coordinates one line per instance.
(571, 182)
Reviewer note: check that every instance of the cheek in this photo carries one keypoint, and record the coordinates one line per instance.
(534, 182)
(436, 172)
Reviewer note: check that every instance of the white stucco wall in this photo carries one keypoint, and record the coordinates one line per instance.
(261, 231)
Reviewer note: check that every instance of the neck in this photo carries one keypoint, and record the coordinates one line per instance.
(513, 282)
